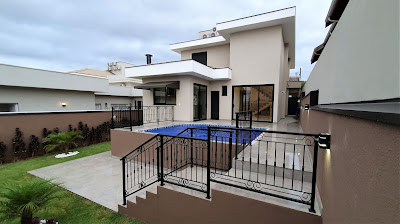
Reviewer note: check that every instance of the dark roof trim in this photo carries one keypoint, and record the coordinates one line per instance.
(318, 50)
(152, 85)
(335, 11)
(386, 111)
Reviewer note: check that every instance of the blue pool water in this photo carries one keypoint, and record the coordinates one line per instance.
(202, 134)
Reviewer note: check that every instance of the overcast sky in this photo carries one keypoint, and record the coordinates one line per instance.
(67, 35)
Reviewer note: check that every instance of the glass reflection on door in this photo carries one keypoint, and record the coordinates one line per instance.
(258, 99)
(199, 102)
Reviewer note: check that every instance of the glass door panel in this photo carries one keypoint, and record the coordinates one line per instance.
(258, 99)
(199, 102)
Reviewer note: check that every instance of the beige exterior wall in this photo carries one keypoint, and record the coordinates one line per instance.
(217, 56)
(360, 62)
(35, 99)
(183, 110)
(256, 57)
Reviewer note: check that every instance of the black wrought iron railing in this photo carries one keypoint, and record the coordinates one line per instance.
(126, 117)
(274, 163)
(244, 119)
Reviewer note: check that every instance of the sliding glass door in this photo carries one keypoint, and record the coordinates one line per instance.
(199, 102)
(256, 98)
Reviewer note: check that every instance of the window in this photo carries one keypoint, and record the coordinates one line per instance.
(98, 106)
(164, 96)
(224, 90)
(8, 107)
(200, 57)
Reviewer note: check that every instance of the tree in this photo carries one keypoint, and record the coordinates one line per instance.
(23, 199)
(61, 140)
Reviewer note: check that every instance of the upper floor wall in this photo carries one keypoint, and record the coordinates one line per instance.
(360, 62)
(217, 56)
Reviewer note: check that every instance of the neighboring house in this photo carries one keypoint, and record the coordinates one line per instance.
(121, 91)
(240, 65)
(353, 93)
(28, 90)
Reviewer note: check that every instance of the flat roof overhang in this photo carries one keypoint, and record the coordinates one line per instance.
(177, 68)
(152, 85)
(284, 17)
(194, 44)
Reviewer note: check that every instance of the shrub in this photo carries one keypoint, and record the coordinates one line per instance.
(23, 199)
(61, 140)
(70, 128)
(34, 145)
(45, 132)
(18, 143)
(3, 149)
(56, 130)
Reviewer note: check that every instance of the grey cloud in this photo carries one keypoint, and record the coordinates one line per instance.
(66, 35)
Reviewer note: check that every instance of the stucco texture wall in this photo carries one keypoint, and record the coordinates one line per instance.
(358, 178)
(217, 56)
(169, 206)
(33, 124)
(360, 62)
(35, 99)
(259, 54)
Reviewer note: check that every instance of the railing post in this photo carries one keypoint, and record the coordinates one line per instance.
(123, 182)
(251, 118)
(158, 164)
(237, 120)
(314, 175)
(208, 162)
(162, 160)
(112, 117)
(230, 150)
(191, 147)
(130, 118)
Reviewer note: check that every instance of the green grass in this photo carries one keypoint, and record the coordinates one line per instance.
(76, 209)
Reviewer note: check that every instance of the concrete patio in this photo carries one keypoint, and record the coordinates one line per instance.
(98, 177)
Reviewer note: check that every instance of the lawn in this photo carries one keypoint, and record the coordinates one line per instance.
(76, 209)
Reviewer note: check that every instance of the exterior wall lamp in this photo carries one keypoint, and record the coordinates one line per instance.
(63, 104)
(307, 106)
(324, 140)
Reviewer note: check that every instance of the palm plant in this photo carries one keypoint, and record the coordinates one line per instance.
(61, 140)
(23, 199)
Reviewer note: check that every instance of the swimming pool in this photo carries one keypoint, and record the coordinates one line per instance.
(201, 133)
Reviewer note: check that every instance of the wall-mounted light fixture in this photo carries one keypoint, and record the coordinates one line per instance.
(307, 107)
(324, 140)
(63, 104)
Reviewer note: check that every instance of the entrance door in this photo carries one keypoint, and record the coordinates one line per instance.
(199, 102)
(215, 105)
(292, 105)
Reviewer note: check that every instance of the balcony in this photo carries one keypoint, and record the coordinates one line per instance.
(176, 68)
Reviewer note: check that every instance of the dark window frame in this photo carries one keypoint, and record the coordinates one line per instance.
(165, 91)
(200, 54)
(224, 90)
(273, 100)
